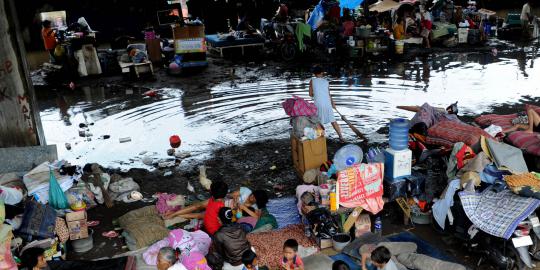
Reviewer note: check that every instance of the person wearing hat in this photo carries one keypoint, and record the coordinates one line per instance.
(230, 240)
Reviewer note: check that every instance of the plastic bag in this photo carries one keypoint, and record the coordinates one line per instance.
(57, 198)
(11, 196)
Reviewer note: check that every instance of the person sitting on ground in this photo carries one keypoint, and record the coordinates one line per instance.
(532, 126)
(266, 221)
(168, 260)
(291, 260)
(250, 261)
(230, 240)
(242, 196)
(340, 265)
(136, 56)
(319, 90)
(34, 259)
(218, 191)
(309, 187)
(252, 217)
(380, 258)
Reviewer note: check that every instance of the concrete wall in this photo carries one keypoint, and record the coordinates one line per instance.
(23, 159)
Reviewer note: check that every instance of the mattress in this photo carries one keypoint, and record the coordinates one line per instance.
(216, 42)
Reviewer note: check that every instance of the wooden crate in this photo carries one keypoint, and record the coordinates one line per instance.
(309, 154)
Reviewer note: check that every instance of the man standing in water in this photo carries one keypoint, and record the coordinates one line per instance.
(526, 17)
(49, 39)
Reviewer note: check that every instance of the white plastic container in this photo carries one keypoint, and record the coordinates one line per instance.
(397, 163)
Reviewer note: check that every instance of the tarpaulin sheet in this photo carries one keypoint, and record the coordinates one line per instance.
(350, 4)
(284, 210)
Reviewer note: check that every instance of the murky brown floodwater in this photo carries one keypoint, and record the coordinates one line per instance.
(236, 113)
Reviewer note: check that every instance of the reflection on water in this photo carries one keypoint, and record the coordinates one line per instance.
(234, 112)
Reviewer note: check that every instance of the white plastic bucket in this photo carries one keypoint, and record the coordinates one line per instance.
(400, 46)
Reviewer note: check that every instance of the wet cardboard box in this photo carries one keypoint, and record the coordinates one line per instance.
(77, 226)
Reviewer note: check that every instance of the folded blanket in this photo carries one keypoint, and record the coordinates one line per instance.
(497, 213)
(457, 132)
(144, 226)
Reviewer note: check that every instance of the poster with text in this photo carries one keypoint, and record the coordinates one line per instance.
(361, 185)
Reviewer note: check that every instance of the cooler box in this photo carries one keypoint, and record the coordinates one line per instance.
(310, 154)
(397, 164)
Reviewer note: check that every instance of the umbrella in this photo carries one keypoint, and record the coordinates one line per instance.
(383, 6)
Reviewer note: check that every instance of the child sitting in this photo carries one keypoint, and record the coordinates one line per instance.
(380, 258)
(249, 259)
(291, 260)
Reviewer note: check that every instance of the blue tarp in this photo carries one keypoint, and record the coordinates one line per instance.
(316, 16)
(285, 211)
(350, 4)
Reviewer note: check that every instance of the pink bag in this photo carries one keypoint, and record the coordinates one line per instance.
(297, 106)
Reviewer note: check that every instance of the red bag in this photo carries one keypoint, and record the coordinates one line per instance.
(297, 106)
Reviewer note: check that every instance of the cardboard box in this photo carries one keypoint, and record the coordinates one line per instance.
(397, 164)
(324, 243)
(186, 32)
(77, 226)
(307, 155)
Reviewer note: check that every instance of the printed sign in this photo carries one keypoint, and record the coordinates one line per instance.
(191, 45)
(359, 183)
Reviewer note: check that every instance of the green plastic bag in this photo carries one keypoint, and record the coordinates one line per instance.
(57, 198)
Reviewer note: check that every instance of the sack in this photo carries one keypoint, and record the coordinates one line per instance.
(301, 122)
(38, 221)
(57, 198)
(297, 106)
(61, 229)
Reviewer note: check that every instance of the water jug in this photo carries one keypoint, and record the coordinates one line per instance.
(399, 134)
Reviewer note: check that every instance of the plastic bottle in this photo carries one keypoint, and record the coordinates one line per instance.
(378, 226)
(333, 202)
(399, 134)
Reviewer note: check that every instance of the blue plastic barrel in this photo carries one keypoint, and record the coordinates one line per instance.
(399, 134)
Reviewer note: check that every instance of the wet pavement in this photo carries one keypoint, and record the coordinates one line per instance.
(233, 104)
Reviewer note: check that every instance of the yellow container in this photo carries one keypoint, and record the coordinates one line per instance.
(333, 202)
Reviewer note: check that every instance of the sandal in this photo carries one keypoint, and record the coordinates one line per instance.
(110, 234)
(92, 223)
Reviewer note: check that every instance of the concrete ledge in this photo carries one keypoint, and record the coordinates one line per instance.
(22, 159)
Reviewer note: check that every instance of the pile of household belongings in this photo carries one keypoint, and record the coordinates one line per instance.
(303, 119)
(46, 206)
(482, 169)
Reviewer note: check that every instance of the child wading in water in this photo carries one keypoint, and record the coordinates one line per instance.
(320, 92)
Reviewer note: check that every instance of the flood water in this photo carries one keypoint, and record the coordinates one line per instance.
(234, 112)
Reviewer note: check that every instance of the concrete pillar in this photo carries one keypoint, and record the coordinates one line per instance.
(20, 124)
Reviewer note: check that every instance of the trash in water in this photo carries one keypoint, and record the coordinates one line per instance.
(182, 154)
(175, 141)
(146, 160)
(166, 164)
(68, 146)
(167, 173)
(170, 152)
(105, 137)
(124, 140)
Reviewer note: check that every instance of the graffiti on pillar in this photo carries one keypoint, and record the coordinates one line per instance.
(5, 69)
(25, 110)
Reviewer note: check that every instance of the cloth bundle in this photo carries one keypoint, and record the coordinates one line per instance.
(297, 106)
